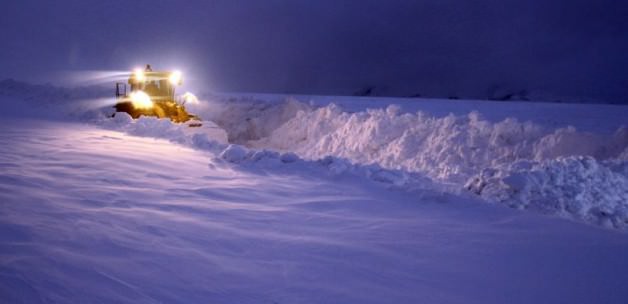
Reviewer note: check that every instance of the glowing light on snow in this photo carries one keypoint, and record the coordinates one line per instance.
(141, 100)
(96, 103)
(175, 78)
(190, 98)
(139, 75)
(91, 77)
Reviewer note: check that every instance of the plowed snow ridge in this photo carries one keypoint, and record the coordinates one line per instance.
(560, 171)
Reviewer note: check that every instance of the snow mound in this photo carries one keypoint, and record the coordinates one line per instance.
(525, 165)
(149, 127)
(451, 148)
(568, 141)
(208, 137)
(234, 154)
(577, 187)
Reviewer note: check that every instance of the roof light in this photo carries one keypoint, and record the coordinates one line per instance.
(139, 75)
(175, 78)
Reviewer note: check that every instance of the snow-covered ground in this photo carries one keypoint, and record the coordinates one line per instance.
(297, 200)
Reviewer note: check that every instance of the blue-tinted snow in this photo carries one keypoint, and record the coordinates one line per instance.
(90, 215)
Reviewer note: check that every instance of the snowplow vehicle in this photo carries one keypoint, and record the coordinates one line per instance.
(152, 94)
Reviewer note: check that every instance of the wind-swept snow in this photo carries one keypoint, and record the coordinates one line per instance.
(283, 201)
(91, 215)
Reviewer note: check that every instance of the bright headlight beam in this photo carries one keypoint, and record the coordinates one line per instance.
(175, 77)
(139, 75)
(141, 100)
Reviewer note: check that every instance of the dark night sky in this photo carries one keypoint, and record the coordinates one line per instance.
(436, 48)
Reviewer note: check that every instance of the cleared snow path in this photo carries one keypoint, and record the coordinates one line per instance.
(95, 216)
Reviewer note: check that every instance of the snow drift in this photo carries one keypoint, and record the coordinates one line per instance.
(201, 137)
(577, 186)
(450, 149)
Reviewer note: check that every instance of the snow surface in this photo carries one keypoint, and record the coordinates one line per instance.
(90, 215)
(284, 201)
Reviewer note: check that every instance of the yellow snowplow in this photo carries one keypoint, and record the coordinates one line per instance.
(152, 94)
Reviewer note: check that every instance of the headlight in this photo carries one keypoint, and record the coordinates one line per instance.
(139, 75)
(141, 100)
(175, 78)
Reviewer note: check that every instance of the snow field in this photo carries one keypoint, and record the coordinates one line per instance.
(97, 216)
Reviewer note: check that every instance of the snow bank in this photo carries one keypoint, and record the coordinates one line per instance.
(234, 154)
(574, 187)
(561, 171)
(450, 148)
(208, 137)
